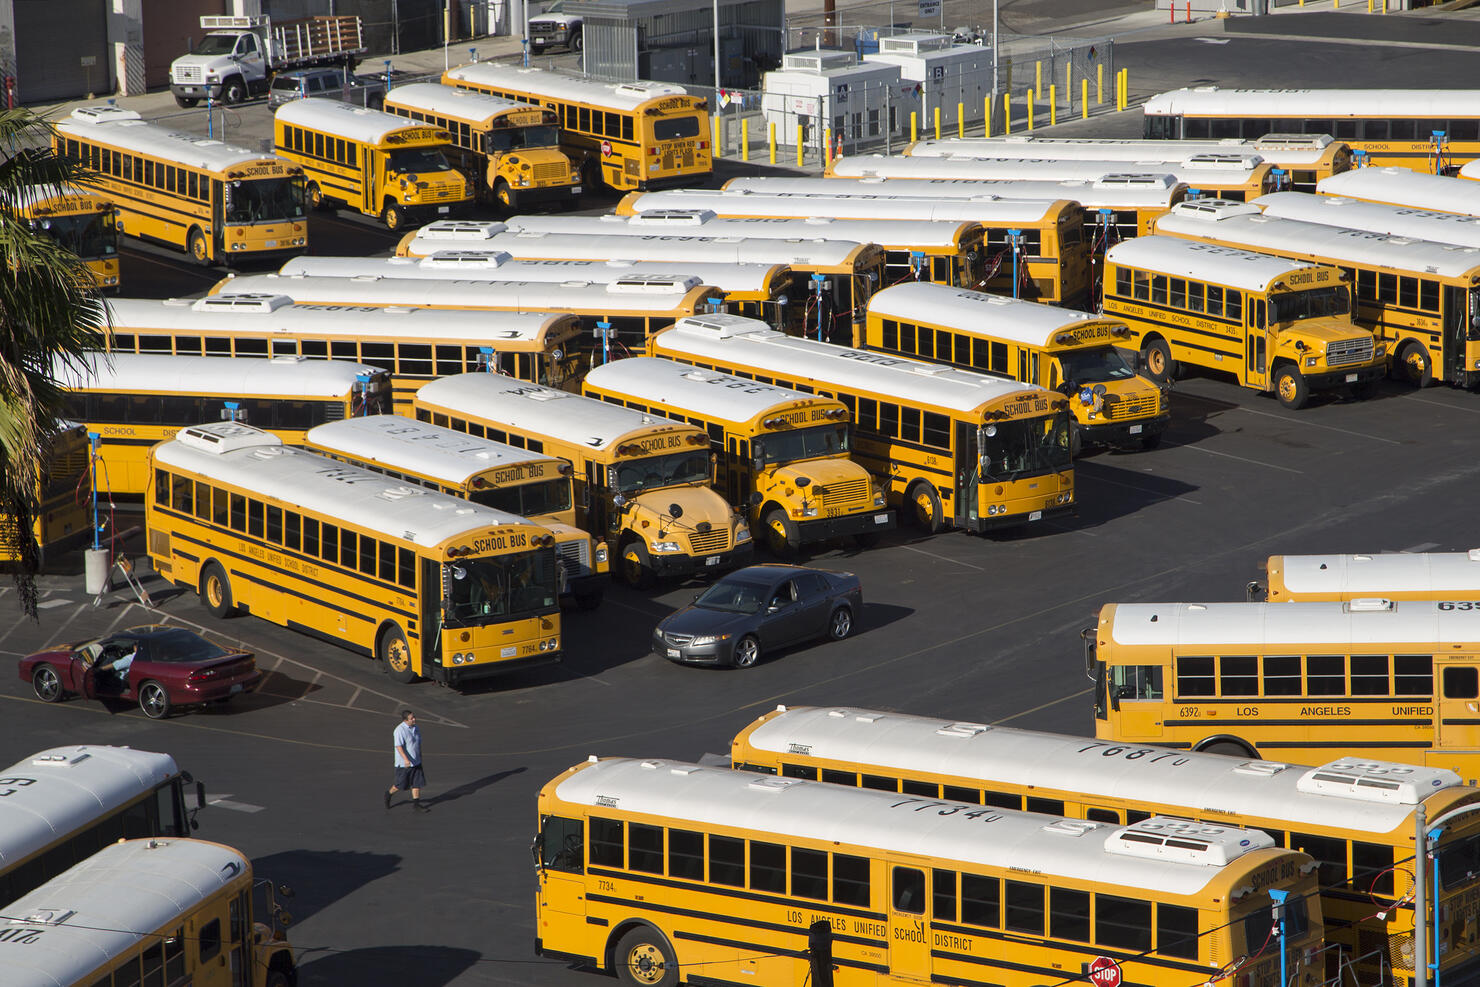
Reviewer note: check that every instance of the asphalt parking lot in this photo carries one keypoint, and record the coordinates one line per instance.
(975, 628)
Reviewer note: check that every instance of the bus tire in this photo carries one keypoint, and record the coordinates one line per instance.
(391, 216)
(154, 700)
(636, 565)
(200, 251)
(503, 195)
(925, 509)
(215, 591)
(315, 196)
(1156, 357)
(1076, 439)
(186, 102)
(233, 91)
(395, 655)
(644, 959)
(1290, 387)
(1413, 365)
(1232, 748)
(781, 534)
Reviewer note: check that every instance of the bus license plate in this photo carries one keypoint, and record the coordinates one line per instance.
(575, 190)
(444, 208)
(673, 653)
(712, 560)
(270, 244)
(1351, 378)
(881, 519)
(1136, 429)
(1036, 516)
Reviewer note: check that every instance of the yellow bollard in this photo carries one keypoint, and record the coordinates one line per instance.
(745, 138)
(827, 147)
(801, 147)
(1069, 86)
(1007, 113)
(986, 116)
(714, 129)
(1038, 77)
(1100, 84)
(960, 119)
(1369, 6)
(1053, 105)
(1084, 99)
(1031, 96)
(937, 123)
(771, 137)
(914, 126)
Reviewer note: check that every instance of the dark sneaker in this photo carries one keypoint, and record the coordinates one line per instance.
(387, 800)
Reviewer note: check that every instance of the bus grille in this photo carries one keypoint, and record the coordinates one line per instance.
(707, 542)
(188, 74)
(1344, 352)
(553, 172)
(447, 192)
(576, 554)
(1137, 407)
(844, 494)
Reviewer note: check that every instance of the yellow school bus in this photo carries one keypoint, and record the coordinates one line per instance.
(1276, 325)
(627, 135)
(1389, 575)
(63, 497)
(512, 147)
(1356, 817)
(782, 453)
(1030, 342)
(642, 481)
(371, 161)
(959, 448)
(425, 583)
(217, 202)
(506, 477)
(81, 220)
(659, 869)
(1374, 678)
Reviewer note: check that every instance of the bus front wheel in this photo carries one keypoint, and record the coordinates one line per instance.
(637, 568)
(391, 216)
(1290, 387)
(644, 959)
(503, 195)
(395, 654)
(781, 534)
(1156, 357)
(925, 508)
(200, 251)
(215, 591)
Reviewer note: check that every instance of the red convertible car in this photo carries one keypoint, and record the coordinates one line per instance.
(159, 666)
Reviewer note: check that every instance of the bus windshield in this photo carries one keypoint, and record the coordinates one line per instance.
(1312, 303)
(85, 234)
(417, 161)
(800, 443)
(517, 137)
(1030, 445)
(1094, 365)
(657, 472)
(264, 200)
(485, 590)
(529, 499)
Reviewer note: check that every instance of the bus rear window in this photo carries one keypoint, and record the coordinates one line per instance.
(676, 129)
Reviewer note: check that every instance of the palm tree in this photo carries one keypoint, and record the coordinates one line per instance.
(49, 310)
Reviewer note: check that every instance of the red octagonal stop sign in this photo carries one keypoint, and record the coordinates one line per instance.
(606, 149)
(1104, 972)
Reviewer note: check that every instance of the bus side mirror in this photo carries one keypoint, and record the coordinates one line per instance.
(200, 795)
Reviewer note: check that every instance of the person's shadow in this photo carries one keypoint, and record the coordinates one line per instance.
(471, 787)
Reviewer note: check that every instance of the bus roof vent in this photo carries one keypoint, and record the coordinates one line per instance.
(964, 731)
(722, 325)
(1163, 838)
(857, 716)
(466, 259)
(64, 758)
(702, 376)
(1215, 209)
(453, 229)
(671, 767)
(1376, 781)
(930, 369)
(219, 437)
(1222, 161)
(1368, 604)
(672, 217)
(293, 358)
(241, 303)
(1259, 769)
(772, 784)
(104, 114)
(1071, 827)
(1474, 554)
(1123, 180)
(653, 284)
(1290, 142)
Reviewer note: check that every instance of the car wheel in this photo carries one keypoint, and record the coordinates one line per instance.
(644, 959)
(747, 652)
(841, 624)
(234, 91)
(48, 684)
(1156, 357)
(199, 251)
(1290, 387)
(781, 534)
(395, 654)
(391, 216)
(186, 102)
(215, 591)
(154, 700)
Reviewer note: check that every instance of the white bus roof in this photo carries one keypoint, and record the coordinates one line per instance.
(707, 394)
(105, 906)
(1030, 323)
(1359, 622)
(1374, 217)
(657, 248)
(1405, 187)
(1379, 573)
(73, 787)
(742, 202)
(1208, 784)
(1242, 224)
(732, 340)
(704, 222)
(125, 130)
(635, 293)
(623, 96)
(569, 418)
(1213, 262)
(250, 458)
(1195, 171)
(1285, 150)
(1114, 192)
(1334, 103)
(149, 373)
(277, 315)
(500, 267)
(1469, 173)
(854, 817)
(400, 443)
(448, 101)
(356, 123)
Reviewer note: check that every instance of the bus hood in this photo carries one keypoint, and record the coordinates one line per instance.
(823, 476)
(696, 506)
(1326, 330)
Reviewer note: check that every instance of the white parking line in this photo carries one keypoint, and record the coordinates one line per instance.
(224, 802)
(921, 551)
(1256, 462)
(57, 602)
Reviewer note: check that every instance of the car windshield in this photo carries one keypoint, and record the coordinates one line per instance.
(1312, 303)
(1094, 365)
(264, 200)
(800, 443)
(216, 44)
(1029, 445)
(501, 587)
(528, 499)
(417, 161)
(516, 137)
(734, 596)
(87, 235)
(656, 472)
(180, 646)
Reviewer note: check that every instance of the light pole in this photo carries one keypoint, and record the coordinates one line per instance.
(994, 47)
(716, 56)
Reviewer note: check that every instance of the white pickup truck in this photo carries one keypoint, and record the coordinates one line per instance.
(238, 56)
(557, 26)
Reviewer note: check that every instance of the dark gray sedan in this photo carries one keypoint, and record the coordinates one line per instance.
(760, 607)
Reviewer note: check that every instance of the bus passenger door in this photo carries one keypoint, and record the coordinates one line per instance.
(1456, 711)
(1455, 331)
(1256, 356)
(369, 167)
(909, 931)
(968, 475)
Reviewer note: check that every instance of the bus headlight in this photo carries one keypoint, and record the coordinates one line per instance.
(550, 644)
(808, 510)
(462, 657)
(667, 546)
(1311, 361)
(601, 553)
(878, 498)
(742, 533)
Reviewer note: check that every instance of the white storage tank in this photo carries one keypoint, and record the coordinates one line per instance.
(833, 90)
(947, 73)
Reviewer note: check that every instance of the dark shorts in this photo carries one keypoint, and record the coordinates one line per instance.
(412, 777)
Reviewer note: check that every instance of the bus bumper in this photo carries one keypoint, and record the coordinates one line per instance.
(1016, 520)
(879, 520)
(1333, 379)
(678, 564)
(523, 198)
(457, 674)
(691, 180)
(1129, 435)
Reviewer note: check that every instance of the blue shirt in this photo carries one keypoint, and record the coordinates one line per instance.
(409, 738)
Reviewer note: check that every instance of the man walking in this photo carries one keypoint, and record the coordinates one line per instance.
(407, 740)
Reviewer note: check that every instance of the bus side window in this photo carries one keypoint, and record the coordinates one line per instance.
(1461, 682)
